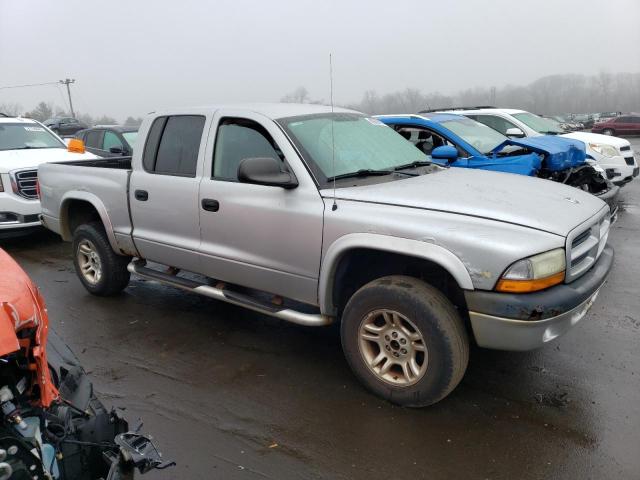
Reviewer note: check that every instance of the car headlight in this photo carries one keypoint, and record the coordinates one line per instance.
(606, 150)
(534, 273)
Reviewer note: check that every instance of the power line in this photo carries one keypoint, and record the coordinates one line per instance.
(29, 85)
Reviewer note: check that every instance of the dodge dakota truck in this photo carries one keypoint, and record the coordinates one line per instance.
(312, 216)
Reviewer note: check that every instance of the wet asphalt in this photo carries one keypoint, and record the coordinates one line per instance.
(230, 394)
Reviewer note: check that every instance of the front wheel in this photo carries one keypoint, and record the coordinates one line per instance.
(608, 131)
(101, 270)
(405, 341)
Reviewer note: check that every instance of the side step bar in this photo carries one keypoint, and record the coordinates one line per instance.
(138, 267)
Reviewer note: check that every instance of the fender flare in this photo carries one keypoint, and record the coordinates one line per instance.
(95, 201)
(372, 241)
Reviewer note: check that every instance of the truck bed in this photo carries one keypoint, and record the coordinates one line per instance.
(104, 183)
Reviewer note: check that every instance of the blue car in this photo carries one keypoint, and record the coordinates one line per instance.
(457, 141)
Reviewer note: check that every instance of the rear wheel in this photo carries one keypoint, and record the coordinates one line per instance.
(608, 131)
(102, 271)
(405, 341)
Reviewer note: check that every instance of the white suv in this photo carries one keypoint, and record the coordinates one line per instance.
(25, 144)
(613, 154)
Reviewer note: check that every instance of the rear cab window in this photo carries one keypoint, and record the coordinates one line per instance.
(173, 144)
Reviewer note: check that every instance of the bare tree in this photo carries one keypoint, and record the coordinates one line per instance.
(85, 118)
(105, 120)
(134, 122)
(553, 94)
(11, 109)
(299, 95)
(42, 112)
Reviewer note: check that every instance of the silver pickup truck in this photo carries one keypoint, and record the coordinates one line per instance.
(312, 216)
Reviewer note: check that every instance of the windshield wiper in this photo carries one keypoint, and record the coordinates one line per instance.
(368, 172)
(416, 164)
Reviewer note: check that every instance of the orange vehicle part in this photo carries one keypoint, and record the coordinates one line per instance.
(22, 309)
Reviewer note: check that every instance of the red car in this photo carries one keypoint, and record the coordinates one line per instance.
(51, 423)
(628, 124)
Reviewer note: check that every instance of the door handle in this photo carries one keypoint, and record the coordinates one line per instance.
(210, 205)
(141, 195)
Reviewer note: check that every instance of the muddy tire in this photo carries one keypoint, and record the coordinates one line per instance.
(405, 341)
(102, 271)
(608, 131)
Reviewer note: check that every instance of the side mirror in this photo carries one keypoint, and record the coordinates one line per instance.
(118, 150)
(444, 152)
(514, 132)
(265, 171)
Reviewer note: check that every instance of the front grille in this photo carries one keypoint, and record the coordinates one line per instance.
(580, 238)
(585, 244)
(25, 182)
(624, 149)
(629, 160)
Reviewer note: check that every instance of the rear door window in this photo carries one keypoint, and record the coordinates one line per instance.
(111, 140)
(93, 139)
(497, 123)
(173, 144)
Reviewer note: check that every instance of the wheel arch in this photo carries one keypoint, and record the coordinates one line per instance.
(374, 246)
(83, 207)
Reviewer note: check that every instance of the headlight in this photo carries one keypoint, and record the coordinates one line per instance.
(534, 273)
(606, 150)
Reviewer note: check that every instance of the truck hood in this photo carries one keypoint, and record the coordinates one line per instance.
(588, 137)
(21, 159)
(530, 202)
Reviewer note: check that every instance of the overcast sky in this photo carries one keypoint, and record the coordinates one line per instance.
(130, 57)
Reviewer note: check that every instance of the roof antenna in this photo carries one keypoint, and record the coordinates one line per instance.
(334, 207)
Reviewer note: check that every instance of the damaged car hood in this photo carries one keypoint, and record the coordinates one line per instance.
(531, 202)
(559, 153)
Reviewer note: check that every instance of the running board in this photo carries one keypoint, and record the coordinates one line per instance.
(138, 267)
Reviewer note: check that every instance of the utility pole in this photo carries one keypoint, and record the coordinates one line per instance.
(67, 82)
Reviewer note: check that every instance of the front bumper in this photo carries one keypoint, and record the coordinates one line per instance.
(505, 321)
(611, 198)
(15, 225)
(620, 169)
(17, 215)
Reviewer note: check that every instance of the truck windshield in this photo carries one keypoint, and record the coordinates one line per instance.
(539, 124)
(359, 143)
(483, 138)
(22, 136)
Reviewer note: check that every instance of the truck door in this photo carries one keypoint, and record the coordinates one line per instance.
(264, 237)
(163, 191)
